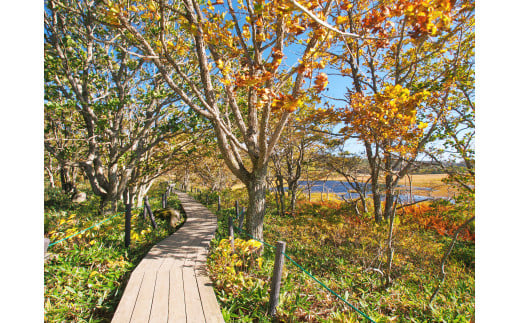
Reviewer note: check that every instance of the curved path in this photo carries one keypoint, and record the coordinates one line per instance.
(170, 284)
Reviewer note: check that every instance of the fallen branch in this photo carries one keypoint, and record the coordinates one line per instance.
(410, 204)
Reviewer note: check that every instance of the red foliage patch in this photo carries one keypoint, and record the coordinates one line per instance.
(437, 218)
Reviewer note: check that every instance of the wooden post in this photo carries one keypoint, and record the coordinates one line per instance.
(276, 281)
(150, 213)
(128, 223)
(242, 218)
(143, 214)
(46, 243)
(231, 233)
(218, 203)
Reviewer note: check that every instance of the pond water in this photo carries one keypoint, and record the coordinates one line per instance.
(342, 189)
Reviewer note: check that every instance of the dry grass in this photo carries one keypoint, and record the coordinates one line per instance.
(433, 181)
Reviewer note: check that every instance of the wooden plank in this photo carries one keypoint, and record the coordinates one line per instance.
(212, 312)
(194, 310)
(143, 304)
(159, 312)
(170, 284)
(176, 305)
(148, 264)
(127, 302)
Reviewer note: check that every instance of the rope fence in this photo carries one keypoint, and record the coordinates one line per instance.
(239, 229)
(145, 207)
(85, 230)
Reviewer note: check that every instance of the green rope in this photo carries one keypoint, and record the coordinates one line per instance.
(92, 226)
(327, 288)
(80, 232)
(310, 275)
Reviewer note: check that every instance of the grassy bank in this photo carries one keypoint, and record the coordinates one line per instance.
(348, 253)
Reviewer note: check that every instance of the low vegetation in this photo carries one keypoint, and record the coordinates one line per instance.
(85, 276)
(347, 253)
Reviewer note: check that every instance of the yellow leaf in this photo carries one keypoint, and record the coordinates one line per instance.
(341, 20)
(422, 125)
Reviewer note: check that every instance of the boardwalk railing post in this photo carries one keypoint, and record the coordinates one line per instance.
(276, 281)
(242, 217)
(164, 201)
(150, 213)
(231, 233)
(128, 222)
(207, 198)
(218, 203)
(143, 214)
(46, 243)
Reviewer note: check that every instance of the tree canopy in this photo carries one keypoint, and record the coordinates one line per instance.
(130, 84)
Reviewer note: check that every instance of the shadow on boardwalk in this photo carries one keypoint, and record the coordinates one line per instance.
(171, 284)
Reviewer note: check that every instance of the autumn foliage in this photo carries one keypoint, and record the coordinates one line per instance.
(437, 219)
(389, 116)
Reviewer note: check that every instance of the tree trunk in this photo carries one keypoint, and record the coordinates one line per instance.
(390, 248)
(102, 205)
(280, 194)
(51, 177)
(389, 203)
(114, 206)
(293, 186)
(293, 201)
(389, 189)
(376, 196)
(67, 183)
(374, 177)
(256, 188)
(142, 191)
(363, 202)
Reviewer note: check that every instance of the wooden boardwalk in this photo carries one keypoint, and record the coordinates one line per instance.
(171, 283)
